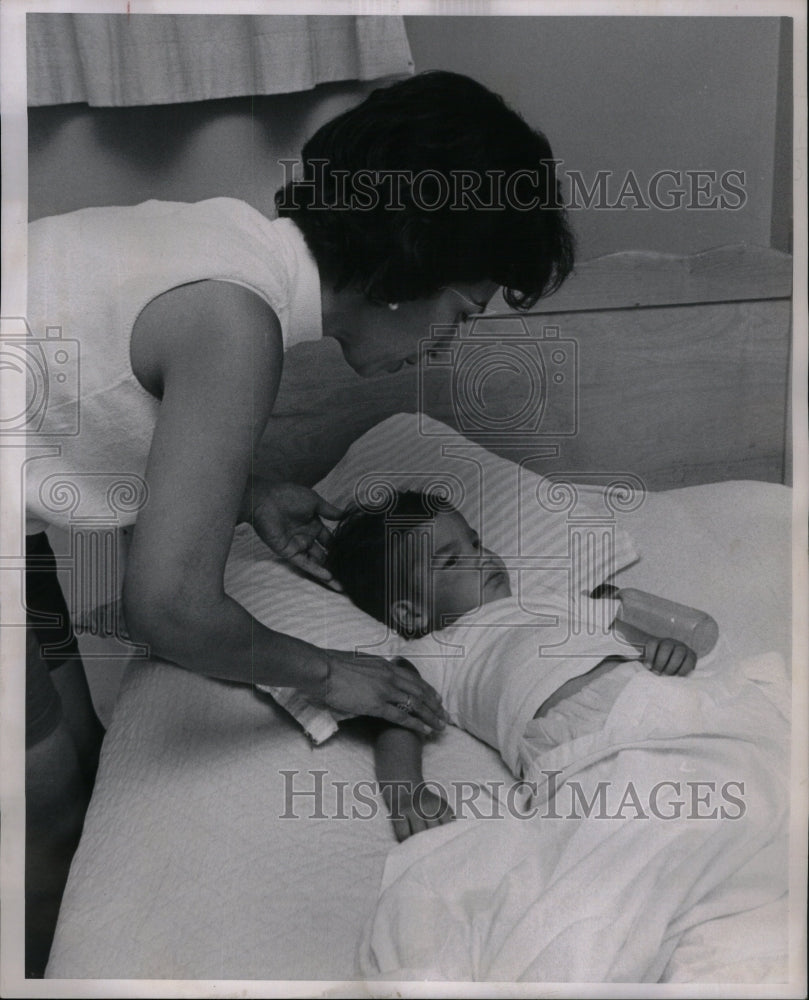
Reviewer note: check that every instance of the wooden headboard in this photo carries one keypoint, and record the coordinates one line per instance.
(674, 369)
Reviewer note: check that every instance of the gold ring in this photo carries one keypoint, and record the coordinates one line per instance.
(406, 706)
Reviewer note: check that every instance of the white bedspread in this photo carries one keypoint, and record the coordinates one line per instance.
(186, 869)
(678, 818)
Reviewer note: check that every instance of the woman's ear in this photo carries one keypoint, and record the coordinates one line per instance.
(407, 618)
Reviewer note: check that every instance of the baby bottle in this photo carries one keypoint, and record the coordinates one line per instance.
(664, 619)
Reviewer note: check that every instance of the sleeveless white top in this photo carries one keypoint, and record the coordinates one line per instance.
(91, 273)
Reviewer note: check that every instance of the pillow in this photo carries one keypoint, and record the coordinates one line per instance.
(556, 536)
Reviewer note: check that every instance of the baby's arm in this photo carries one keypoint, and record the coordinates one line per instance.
(413, 806)
(662, 655)
(397, 757)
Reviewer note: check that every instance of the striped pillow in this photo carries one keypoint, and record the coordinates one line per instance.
(553, 534)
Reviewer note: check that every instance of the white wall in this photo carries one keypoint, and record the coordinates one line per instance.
(616, 94)
(633, 94)
(79, 156)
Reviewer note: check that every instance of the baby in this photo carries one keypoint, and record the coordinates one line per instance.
(419, 567)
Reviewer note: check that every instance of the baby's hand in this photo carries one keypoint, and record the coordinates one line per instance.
(414, 809)
(669, 657)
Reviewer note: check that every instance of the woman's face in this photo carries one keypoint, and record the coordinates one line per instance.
(376, 339)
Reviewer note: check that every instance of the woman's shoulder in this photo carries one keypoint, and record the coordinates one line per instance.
(211, 304)
(214, 322)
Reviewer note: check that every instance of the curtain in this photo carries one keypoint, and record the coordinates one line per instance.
(119, 59)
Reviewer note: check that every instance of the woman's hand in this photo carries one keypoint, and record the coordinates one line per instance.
(387, 689)
(287, 518)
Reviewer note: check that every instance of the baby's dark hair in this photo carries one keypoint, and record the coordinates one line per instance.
(373, 552)
(444, 127)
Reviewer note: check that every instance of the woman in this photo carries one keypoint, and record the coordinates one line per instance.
(412, 209)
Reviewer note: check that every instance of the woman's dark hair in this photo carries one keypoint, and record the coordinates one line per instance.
(371, 561)
(429, 181)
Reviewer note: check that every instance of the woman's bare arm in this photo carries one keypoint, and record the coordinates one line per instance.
(217, 352)
(217, 348)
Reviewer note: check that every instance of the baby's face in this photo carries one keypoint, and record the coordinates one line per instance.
(464, 574)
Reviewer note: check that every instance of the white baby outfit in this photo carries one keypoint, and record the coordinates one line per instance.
(91, 273)
(509, 662)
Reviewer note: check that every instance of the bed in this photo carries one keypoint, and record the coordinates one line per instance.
(205, 853)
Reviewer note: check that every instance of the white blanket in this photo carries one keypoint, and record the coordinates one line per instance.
(672, 816)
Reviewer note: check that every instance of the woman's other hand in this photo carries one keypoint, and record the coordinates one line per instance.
(387, 689)
(287, 518)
